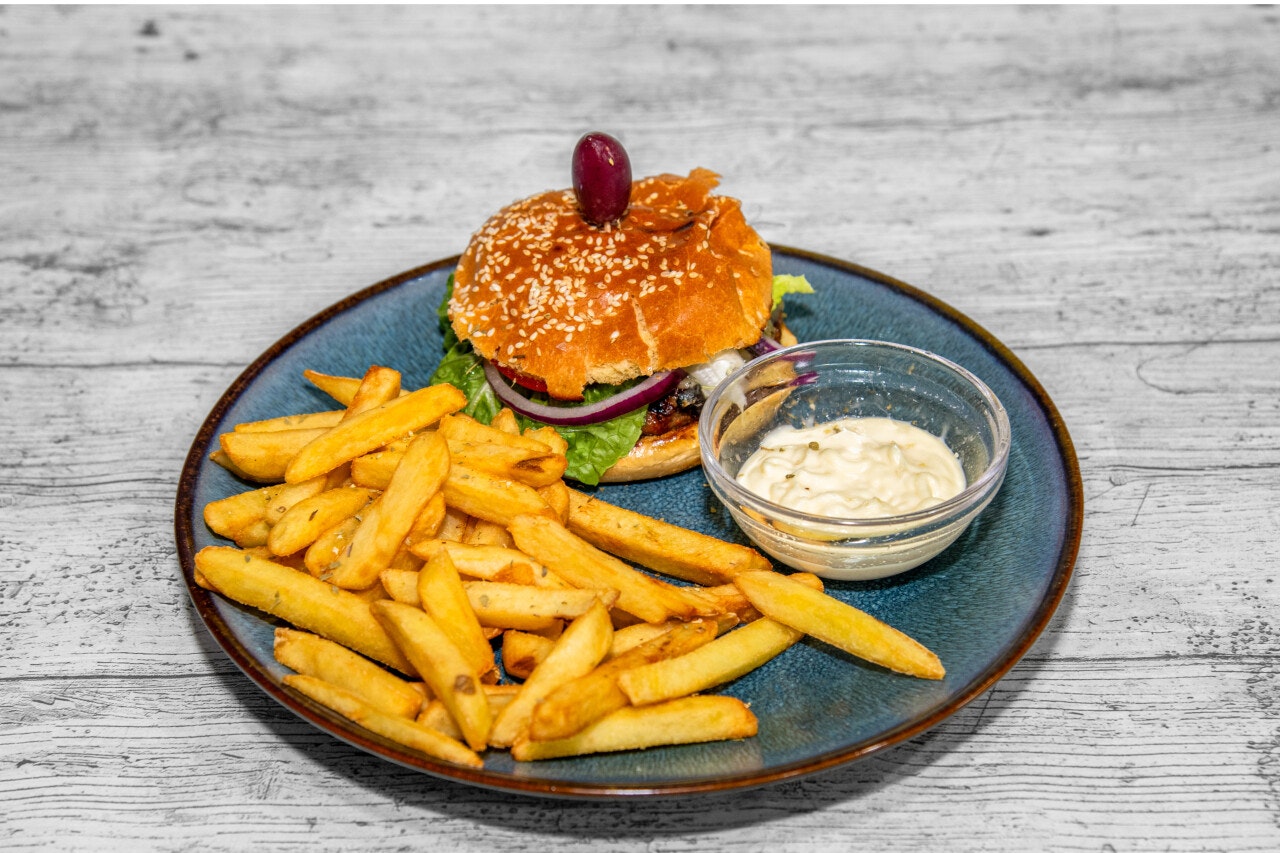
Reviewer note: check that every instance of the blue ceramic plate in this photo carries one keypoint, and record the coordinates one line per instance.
(979, 605)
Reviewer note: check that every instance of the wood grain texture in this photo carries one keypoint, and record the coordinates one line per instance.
(1098, 187)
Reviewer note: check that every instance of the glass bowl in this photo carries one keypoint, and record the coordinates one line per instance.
(822, 381)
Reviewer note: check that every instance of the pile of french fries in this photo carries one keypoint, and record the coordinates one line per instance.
(405, 541)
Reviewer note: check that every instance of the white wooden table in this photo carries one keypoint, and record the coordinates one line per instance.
(1100, 188)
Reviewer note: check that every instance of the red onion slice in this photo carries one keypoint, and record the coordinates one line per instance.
(654, 388)
(764, 346)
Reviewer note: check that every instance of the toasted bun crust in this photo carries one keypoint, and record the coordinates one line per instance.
(657, 456)
(681, 277)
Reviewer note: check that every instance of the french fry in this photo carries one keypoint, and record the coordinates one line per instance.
(227, 516)
(487, 533)
(551, 439)
(492, 498)
(843, 626)
(492, 563)
(379, 385)
(529, 608)
(436, 716)
(308, 654)
(314, 420)
(300, 600)
(428, 521)
(506, 455)
(454, 525)
(253, 535)
(340, 388)
(463, 430)
(220, 457)
(401, 585)
(324, 554)
(293, 561)
(556, 495)
(370, 430)
(443, 598)
(506, 421)
(388, 521)
(585, 566)
(443, 667)
(264, 456)
(302, 524)
(281, 498)
(572, 707)
(657, 545)
(405, 732)
(374, 470)
(719, 662)
(576, 653)
(694, 719)
(522, 652)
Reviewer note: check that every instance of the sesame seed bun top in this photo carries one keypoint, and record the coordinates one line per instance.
(680, 278)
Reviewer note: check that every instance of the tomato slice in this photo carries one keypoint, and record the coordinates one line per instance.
(532, 383)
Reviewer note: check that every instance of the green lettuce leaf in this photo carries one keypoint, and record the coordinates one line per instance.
(784, 284)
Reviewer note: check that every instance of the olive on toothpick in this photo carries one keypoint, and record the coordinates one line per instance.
(601, 178)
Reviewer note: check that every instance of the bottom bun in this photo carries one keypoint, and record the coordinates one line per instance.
(657, 456)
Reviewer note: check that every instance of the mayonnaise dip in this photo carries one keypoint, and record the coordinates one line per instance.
(854, 468)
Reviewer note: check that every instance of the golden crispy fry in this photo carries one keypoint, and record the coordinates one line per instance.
(324, 554)
(486, 533)
(379, 385)
(436, 716)
(657, 545)
(819, 615)
(427, 525)
(300, 600)
(388, 521)
(454, 525)
(443, 598)
(264, 456)
(281, 498)
(506, 421)
(308, 654)
(492, 498)
(508, 605)
(583, 565)
(341, 388)
(522, 652)
(549, 438)
(401, 586)
(444, 668)
(695, 719)
(374, 470)
(406, 732)
(461, 430)
(303, 523)
(557, 497)
(370, 430)
(293, 561)
(220, 457)
(403, 560)
(253, 535)
(576, 653)
(572, 707)
(314, 420)
(229, 515)
(492, 563)
(535, 468)
(721, 661)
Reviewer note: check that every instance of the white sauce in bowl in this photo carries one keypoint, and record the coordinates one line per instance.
(854, 468)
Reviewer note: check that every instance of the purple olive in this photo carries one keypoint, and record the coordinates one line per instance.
(601, 178)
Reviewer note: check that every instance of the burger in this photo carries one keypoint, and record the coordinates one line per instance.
(610, 310)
